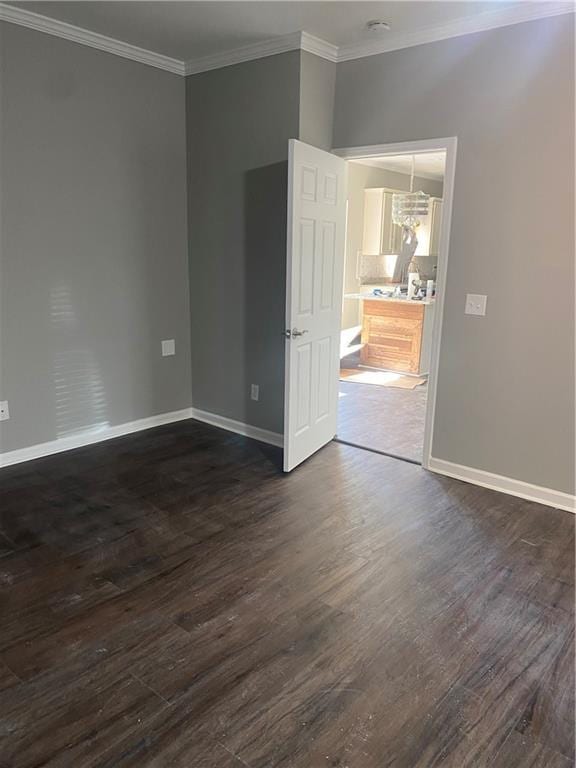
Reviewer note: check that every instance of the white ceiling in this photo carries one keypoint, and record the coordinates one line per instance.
(189, 30)
(428, 165)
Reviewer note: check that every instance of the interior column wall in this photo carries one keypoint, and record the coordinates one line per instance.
(317, 92)
(239, 121)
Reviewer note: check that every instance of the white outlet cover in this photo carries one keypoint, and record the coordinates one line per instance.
(4, 411)
(475, 304)
(255, 391)
(168, 347)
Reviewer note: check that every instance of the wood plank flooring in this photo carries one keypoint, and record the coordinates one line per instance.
(384, 419)
(171, 599)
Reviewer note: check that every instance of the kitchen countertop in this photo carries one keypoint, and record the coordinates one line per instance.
(370, 297)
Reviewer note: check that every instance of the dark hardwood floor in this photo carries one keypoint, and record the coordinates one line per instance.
(171, 599)
(385, 419)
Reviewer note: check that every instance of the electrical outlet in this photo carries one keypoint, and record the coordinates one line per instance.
(168, 348)
(475, 304)
(4, 412)
(255, 392)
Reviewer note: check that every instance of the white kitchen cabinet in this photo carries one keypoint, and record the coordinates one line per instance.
(436, 216)
(380, 234)
(428, 233)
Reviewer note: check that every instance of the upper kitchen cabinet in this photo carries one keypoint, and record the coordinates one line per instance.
(381, 235)
(428, 233)
(436, 220)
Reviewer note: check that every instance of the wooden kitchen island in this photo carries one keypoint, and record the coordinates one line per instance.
(396, 333)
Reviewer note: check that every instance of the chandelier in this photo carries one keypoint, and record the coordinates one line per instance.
(410, 208)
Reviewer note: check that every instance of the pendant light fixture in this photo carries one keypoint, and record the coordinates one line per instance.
(410, 208)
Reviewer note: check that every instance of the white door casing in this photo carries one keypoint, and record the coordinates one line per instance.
(314, 276)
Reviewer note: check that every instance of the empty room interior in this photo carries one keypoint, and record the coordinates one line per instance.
(287, 384)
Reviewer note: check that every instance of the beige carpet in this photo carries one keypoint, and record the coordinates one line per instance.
(381, 378)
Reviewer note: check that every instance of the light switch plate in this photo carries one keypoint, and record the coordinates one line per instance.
(255, 391)
(168, 347)
(475, 304)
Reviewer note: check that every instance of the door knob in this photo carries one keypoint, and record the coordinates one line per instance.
(290, 334)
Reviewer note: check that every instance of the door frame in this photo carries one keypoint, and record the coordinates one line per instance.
(449, 145)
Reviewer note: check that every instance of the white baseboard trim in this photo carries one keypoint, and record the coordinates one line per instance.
(256, 433)
(551, 498)
(89, 438)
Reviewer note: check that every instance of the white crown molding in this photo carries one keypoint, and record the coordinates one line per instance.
(304, 41)
(319, 47)
(295, 41)
(482, 22)
(24, 18)
(275, 45)
(547, 496)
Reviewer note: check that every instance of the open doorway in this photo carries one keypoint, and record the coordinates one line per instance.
(391, 296)
(315, 266)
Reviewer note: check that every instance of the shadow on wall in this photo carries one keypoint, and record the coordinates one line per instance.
(265, 196)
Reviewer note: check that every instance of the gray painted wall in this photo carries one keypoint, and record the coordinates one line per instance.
(506, 381)
(93, 246)
(317, 89)
(239, 121)
(93, 240)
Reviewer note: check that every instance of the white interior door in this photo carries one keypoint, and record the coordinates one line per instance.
(315, 269)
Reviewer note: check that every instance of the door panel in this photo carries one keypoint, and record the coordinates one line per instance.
(315, 266)
(304, 380)
(305, 267)
(309, 178)
(327, 269)
(324, 371)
